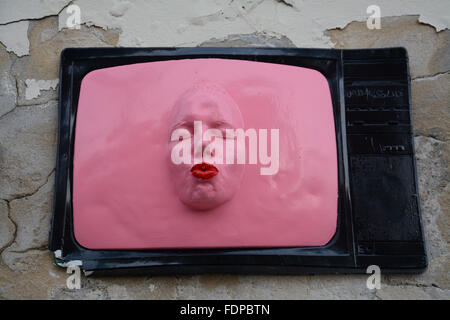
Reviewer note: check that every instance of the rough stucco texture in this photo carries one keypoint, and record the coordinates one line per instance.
(32, 35)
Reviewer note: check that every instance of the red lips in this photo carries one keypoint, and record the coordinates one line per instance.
(204, 170)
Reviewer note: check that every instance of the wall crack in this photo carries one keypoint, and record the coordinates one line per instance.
(26, 195)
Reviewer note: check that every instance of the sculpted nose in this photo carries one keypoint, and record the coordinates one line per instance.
(204, 144)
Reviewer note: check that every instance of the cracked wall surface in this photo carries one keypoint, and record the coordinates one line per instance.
(32, 35)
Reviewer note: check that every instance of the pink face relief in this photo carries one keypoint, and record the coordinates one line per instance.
(204, 153)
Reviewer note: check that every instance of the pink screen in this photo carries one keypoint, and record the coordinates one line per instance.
(123, 194)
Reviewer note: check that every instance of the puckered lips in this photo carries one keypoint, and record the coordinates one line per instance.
(204, 170)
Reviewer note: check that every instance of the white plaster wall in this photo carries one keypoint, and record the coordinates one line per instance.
(191, 22)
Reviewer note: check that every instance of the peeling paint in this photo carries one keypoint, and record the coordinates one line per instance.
(173, 23)
(14, 37)
(250, 40)
(163, 23)
(16, 10)
(34, 87)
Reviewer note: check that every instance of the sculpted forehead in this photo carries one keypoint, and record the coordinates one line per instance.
(206, 103)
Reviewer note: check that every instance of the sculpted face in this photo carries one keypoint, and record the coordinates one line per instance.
(205, 181)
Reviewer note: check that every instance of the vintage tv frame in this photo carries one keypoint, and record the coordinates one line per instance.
(379, 220)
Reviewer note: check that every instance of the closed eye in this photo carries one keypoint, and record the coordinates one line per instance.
(180, 134)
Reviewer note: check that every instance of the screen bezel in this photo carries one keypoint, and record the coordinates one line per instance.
(338, 254)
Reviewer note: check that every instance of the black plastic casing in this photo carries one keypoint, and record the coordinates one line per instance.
(379, 221)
